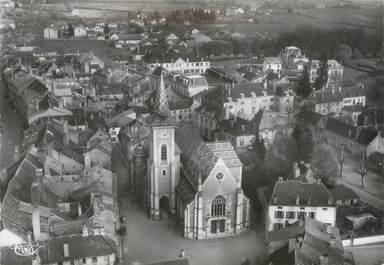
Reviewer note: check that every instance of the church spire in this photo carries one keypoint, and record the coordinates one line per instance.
(161, 102)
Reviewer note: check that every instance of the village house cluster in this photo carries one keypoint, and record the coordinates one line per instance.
(181, 124)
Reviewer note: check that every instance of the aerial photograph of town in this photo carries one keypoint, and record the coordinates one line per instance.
(191, 132)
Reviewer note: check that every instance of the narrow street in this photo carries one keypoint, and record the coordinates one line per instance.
(11, 131)
(373, 190)
(148, 241)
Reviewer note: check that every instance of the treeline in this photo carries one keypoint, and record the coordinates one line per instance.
(314, 42)
(194, 15)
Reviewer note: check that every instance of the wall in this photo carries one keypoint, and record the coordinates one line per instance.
(359, 241)
(324, 216)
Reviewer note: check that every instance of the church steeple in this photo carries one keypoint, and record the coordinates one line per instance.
(160, 105)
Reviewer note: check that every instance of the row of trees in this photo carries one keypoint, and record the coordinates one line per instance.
(193, 15)
(340, 44)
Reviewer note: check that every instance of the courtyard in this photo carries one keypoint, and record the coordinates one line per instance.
(147, 241)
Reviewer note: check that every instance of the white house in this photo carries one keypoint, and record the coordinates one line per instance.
(51, 33)
(245, 100)
(293, 199)
(335, 70)
(80, 31)
(352, 93)
(272, 64)
(182, 66)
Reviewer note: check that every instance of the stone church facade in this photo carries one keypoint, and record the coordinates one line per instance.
(197, 182)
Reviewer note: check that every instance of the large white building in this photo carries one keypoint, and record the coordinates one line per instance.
(335, 70)
(245, 100)
(272, 64)
(51, 33)
(189, 86)
(293, 199)
(181, 66)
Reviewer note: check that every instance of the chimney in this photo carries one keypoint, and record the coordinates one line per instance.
(85, 231)
(297, 200)
(243, 127)
(79, 211)
(332, 243)
(323, 260)
(66, 250)
(36, 224)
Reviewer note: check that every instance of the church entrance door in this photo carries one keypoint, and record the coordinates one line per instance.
(164, 206)
(217, 226)
(213, 226)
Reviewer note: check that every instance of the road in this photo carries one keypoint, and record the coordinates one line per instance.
(373, 190)
(368, 255)
(11, 131)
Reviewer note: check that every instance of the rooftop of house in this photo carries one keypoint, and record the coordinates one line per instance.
(238, 126)
(180, 105)
(53, 250)
(122, 119)
(327, 96)
(343, 193)
(272, 60)
(247, 90)
(293, 192)
(212, 110)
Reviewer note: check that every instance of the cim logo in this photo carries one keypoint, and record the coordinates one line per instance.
(24, 249)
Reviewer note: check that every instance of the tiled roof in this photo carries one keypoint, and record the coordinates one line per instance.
(272, 60)
(247, 89)
(311, 117)
(225, 151)
(181, 104)
(213, 110)
(53, 250)
(196, 157)
(326, 97)
(238, 126)
(291, 231)
(343, 193)
(309, 194)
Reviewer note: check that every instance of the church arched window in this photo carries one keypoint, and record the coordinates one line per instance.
(218, 206)
(163, 153)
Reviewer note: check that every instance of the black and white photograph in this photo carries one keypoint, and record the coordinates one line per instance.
(192, 132)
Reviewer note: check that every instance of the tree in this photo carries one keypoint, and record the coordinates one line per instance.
(324, 163)
(363, 169)
(304, 88)
(303, 136)
(322, 73)
(344, 52)
(286, 146)
(259, 146)
(276, 164)
(106, 28)
(71, 31)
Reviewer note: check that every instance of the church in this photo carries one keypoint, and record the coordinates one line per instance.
(197, 182)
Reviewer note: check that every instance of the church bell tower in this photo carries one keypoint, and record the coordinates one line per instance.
(163, 162)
